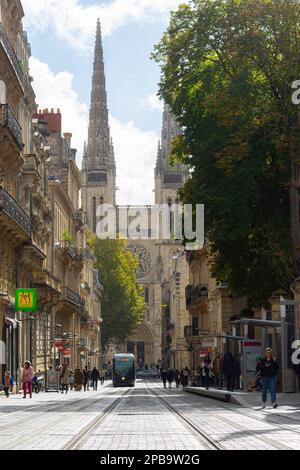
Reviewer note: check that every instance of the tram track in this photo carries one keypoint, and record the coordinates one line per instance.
(83, 435)
(283, 427)
(202, 436)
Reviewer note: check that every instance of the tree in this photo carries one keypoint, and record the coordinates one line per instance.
(122, 300)
(227, 71)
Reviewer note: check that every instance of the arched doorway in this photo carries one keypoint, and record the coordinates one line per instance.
(140, 343)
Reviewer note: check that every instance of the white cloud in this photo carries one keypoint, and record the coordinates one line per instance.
(135, 149)
(153, 102)
(74, 22)
(55, 91)
(136, 153)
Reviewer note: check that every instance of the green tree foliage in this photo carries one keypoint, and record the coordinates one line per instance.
(122, 300)
(227, 72)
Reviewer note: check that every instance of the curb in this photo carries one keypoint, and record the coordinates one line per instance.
(225, 397)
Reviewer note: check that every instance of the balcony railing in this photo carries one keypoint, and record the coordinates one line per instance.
(8, 120)
(74, 298)
(195, 293)
(12, 209)
(77, 254)
(10, 53)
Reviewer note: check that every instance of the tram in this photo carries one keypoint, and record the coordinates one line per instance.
(123, 371)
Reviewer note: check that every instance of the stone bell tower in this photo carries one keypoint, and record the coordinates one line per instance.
(168, 179)
(98, 166)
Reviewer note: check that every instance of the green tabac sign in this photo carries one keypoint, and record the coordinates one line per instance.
(26, 300)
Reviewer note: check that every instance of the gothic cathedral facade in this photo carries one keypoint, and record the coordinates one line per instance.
(149, 342)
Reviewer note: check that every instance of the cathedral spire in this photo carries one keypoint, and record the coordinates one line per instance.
(98, 148)
(158, 166)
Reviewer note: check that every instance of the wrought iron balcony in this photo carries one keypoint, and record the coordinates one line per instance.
(12, 209)
(70, 251)
(73, 297)
(10, 53)
(195, 293)
(9, 121)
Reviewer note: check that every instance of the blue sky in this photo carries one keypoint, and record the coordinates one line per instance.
(61, 33)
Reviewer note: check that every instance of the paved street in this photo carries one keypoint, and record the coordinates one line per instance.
(146, 417)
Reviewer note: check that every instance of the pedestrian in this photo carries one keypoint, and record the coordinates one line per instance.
(102, 376)
(71, 380)
(170, 377)
(65, 378)
(236, 372)
(198, 376)
(185, 377)
(26, 378)
(163, 375)
(269, 369)
(192, 377)
(296, 368)
(217, 371)
(7, 383)
(78, 378)
(177, 378)
(86, 378)
(95, 377)
(228, 370)
(206, 371)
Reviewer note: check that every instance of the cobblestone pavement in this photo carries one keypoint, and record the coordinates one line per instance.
(146, 417)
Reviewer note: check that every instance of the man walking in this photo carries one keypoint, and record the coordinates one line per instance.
(86, 379)
(170, 377)
(95, 377)
(228, 371)
(163, 375)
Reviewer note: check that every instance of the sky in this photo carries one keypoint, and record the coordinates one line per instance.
(62, 35)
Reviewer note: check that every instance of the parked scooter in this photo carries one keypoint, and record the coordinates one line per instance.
(37, 383)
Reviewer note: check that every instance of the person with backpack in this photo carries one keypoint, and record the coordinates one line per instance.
(268, 370)
(7, 383)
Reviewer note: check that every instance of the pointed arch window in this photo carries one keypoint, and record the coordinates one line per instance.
(146, 294)
(94, 209)
(2, 92)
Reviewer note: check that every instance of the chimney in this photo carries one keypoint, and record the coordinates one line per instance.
(68, 137)
(52, 119)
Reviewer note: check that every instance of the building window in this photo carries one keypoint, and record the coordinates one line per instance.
(195, 326)
(2, 92)
(147, 295)
(94, 215)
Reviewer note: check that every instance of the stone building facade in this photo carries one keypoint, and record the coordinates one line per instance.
(38, 175)
(211, 308)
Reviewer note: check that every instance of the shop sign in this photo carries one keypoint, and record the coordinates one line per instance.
(26, 300)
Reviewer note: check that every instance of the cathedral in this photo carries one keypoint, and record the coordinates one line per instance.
(149, 342)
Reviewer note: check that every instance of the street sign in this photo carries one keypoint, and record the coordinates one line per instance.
(26, 300)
